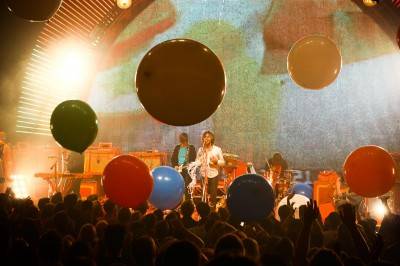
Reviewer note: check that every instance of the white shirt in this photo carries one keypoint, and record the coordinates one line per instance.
(203, 160)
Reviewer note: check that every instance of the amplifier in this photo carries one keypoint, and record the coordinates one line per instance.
(96, 158)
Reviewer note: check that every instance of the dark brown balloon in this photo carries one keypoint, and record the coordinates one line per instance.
(180, 82)
(34, 10)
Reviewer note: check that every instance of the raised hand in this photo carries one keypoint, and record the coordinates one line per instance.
(348, 214)
(311, 212)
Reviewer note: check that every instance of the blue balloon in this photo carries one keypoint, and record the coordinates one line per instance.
(168, 188)
(250, 198)
(303, 189)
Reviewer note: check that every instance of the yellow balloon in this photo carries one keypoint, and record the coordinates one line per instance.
(370, 3)
(314, 62)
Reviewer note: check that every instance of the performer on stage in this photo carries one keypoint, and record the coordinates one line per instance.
(183, 154)
(275, 168)
(5, 163)
(210, 159)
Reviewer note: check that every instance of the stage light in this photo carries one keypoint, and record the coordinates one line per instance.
(370, 3)
(71, 66)
(19, 186)
(377, 210)
(124, 4)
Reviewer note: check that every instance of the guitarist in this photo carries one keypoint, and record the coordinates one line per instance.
(183, 154)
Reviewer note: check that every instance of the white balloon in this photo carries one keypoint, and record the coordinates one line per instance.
(298, 201)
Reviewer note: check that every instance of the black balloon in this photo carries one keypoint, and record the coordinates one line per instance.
(180, 82)
(250, 198)
(73, 124)
(34, 10)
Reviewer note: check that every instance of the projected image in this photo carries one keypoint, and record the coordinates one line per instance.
(263, 110)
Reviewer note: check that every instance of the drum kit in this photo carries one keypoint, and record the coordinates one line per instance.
(234, 167)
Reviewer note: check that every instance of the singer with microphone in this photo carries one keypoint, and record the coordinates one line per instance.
(183, 154)
(210, 160)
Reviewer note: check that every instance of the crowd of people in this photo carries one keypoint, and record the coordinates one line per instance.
(70, 231)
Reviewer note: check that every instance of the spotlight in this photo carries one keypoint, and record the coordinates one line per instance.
(370, 3)
(124, 4)
(19, 186)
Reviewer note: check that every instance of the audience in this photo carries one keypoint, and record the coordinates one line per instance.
(69, 231)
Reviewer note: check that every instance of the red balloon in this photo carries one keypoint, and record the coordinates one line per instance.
(127, 181)
(180, 82)
(370, 171)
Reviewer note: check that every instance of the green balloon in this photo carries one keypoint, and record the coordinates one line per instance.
(73, 124)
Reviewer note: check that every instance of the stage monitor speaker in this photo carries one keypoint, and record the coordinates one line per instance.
(151, 158)
(96, 158)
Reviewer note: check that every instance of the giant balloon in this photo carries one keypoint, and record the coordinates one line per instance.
(303, 189)
(168, 188)
(370, 171)
(73, 124)
(127, 181)
(180, 82)
(314, 62)
(297, 201)
(250, 198)
(34, 10)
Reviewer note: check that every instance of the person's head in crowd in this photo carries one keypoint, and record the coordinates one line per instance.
(42, 202)
(109, 208)
(269, 259)
(231, 260)
(390, 229)
(285, 249)
(88, 234)
(162, 230)
(223, 214)
(70, 201)
(251, 249)
(124, 216)
(143, 208)
(284, 212)
(101, 228)
(325, 257)
(50, 247)
(179, 252)
(56, 198)
(63, 223)
(229, 244)
(332, 221)
(203, 210)
(114, 237)
(80, 249)
(187, 208)
(137, 229)
(136, 216)
(172, 216)
(144, 251)
(149, 222)
(59, 207)
(159, 214)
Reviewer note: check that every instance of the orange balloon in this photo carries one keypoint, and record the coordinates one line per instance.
(180, 82)
(314, 62)
(370, 171)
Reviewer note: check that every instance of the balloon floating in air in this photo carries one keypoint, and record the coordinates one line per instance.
(314, 62)
(169, 188)
(250, 198)
(370, 171)
(73, 124)
(303, 189)
(127, 181)
(180, 82)
(34, 10)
